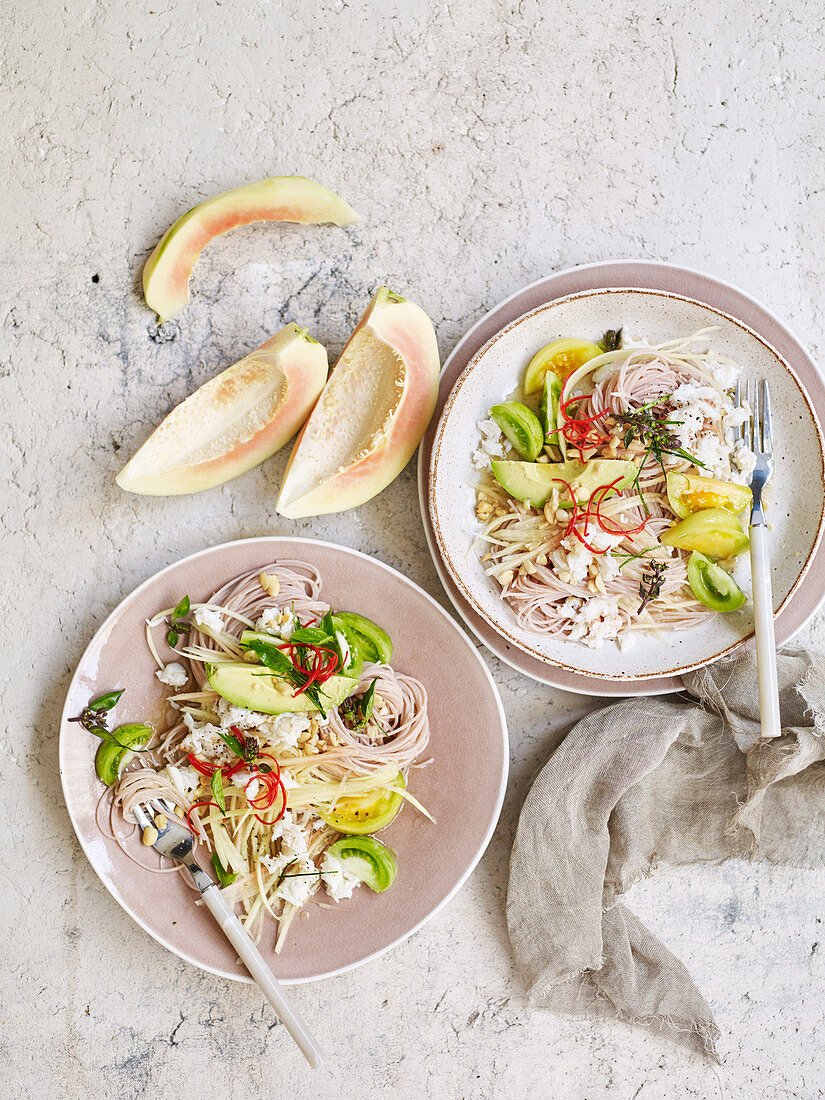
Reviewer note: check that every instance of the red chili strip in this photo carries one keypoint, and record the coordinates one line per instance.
(628, 532)
(281, 812)
(202, 766)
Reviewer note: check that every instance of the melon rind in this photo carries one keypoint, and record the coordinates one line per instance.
(401, 332)
(234, 421)
(280, 198)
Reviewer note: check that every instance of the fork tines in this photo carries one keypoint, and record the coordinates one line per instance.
(757, 431)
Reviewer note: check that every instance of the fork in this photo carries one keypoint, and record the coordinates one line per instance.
(176, 842)
(756, 434)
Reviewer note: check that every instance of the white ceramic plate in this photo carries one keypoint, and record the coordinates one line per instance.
(495, 371)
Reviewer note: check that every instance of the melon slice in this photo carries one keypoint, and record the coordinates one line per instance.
(281, 198)
(371, 414)
(234, 421)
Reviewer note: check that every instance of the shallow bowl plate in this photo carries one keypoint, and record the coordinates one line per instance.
(797, 493)
(463, 788)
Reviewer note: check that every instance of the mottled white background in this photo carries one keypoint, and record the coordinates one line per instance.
(486, 143)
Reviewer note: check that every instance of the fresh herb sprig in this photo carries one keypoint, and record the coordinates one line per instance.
(652, 426)
(650, 586)
(278, 662)
(628, 558)
(360, 711)
(225, 878)
(299, 874)
(94, 719)
(176, 628)
(612, 340)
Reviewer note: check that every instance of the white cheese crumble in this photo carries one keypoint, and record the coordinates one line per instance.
(490, 446)
(276, 621)
(210, 621)
(295, 890)
(280, 731)
(595, 620)
(205, 742)
(339, 883)
(182, 777)
(174, 674)
(574, 559)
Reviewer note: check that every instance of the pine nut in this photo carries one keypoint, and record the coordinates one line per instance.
(541, 559)
(150, 835)
(160, 821)
(270, 583)
(505, 577)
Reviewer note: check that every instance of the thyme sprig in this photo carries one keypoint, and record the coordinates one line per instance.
(650, 586)
(652, 425)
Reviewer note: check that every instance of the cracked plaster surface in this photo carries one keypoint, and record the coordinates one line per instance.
(486, 143)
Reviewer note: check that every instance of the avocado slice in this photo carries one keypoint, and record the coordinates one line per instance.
(253, 687)
(532, 482)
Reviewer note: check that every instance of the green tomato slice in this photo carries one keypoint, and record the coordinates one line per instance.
(689, 493)
(370, 640)
(711, 585)
(713, 532)
(366, 813)
(549, 413)
(521, 426)
(112, 756)
(368, 859)
(562, 357)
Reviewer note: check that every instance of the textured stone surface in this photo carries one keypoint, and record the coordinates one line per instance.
(486, 143)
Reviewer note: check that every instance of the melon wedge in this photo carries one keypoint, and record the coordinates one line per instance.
(371, 414)
(234, 421)
(280, 198)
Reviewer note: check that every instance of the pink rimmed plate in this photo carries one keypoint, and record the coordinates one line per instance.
(462, 788)
(654, 298)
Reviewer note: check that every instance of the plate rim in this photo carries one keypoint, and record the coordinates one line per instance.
(426, 480)
(304, 541)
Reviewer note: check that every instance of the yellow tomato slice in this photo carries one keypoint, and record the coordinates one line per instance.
(560, 356)
(689, 493)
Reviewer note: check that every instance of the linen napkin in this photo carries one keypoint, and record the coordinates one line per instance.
(654, 781)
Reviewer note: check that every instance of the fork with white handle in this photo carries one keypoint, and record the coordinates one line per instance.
(756, 434)
(169, 837)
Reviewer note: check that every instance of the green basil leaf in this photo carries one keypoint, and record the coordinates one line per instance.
(368, 701)
(273, 657)
(312, 634)
(107, 701)
(233, 744)
(225, 878)
(172, 638)
(181, 609)
(217, 791)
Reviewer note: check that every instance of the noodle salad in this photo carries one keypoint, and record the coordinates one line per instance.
(289, 744)
(612, 492)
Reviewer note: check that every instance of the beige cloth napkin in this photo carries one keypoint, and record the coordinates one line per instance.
(659, 781)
